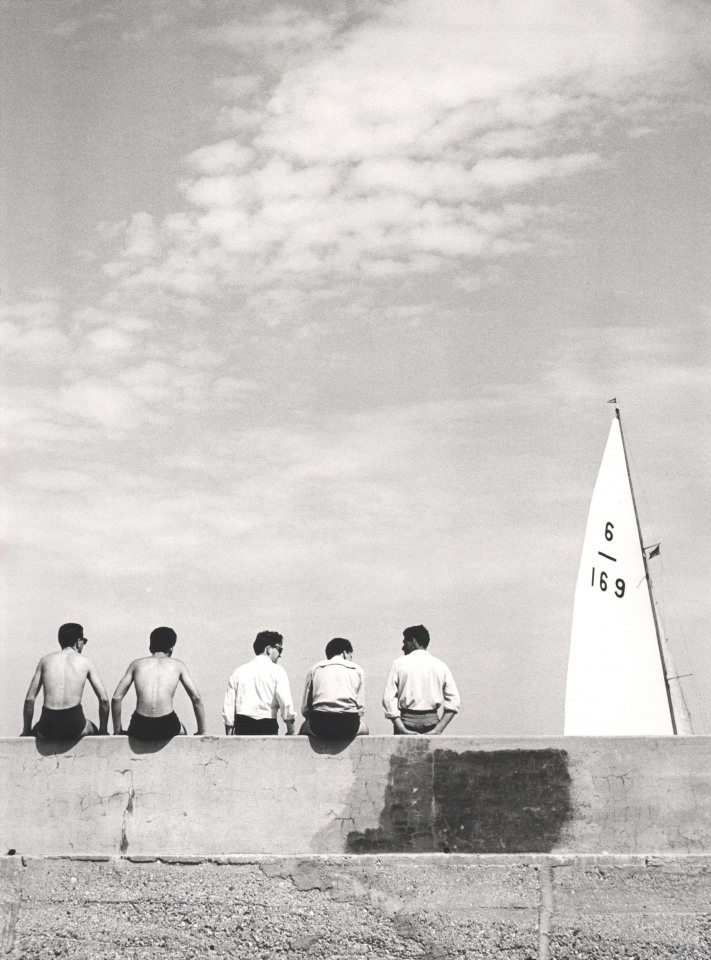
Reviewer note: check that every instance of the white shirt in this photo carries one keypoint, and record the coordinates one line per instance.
(258, 689)
(419, 681)
(334, 686)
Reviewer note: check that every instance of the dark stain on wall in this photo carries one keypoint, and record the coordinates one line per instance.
(499, 801)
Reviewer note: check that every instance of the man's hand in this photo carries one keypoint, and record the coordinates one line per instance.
(444, 722)
(400, 728)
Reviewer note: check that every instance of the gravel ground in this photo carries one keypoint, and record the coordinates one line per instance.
(330, 908)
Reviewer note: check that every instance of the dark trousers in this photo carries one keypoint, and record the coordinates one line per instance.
(251, 727)
(334, 726)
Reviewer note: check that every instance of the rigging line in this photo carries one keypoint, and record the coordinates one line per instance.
(673, 617)
(661, 581)
(657, 630)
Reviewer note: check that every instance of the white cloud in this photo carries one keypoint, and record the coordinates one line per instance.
(141, 237)
(107, 340)
(99, 401)
(409, 134)
(279, 28)
(220, 157)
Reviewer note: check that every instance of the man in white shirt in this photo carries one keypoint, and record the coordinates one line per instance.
(258, 690)
(420, 694)
(333, 695)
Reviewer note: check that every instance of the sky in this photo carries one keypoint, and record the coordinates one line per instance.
(309, 316)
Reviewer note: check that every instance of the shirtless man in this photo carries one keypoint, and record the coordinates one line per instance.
(62, 675)
(156, 679)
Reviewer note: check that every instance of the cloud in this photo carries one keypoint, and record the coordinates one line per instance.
(404, 139)
(279, 31)
(218, 158)
(338, 494)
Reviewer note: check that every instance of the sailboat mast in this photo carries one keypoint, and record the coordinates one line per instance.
(649, 581)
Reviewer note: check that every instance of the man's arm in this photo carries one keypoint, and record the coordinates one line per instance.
(28, 711)
(450, 702)
(360, 693)
(103, 698)
(444, 720)
(193, 693)
(307, 701)
(399, 727)
(283, 695)
(228, 709)
(392, 705)
(119, 693)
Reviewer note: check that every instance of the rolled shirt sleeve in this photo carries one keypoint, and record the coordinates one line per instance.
(390, 695)
(283, 696)
(450, 694)
(360, 693)
(307, 700)
(228, 709)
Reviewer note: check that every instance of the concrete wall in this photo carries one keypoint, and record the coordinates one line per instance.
(216, 796)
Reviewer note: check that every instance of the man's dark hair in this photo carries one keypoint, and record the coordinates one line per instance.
(267, 638)
(69, 633)
(162, 640)
(338, 645)
(419, 634)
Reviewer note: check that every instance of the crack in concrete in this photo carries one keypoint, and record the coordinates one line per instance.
(128, 813)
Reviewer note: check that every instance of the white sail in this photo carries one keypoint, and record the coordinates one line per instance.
(615, 672)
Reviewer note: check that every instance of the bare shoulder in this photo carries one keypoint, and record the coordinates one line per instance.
(136, 664)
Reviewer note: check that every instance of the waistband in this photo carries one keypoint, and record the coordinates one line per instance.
(66, 713)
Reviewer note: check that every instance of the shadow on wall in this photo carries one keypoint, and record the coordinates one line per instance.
(499, 801)
(53, 748)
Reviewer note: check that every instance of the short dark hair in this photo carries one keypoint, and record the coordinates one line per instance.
(162, 640)
(338, 645)
(419, 634)
(69, 633)
(267, 638)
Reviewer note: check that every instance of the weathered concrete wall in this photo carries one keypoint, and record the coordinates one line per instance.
(429, 907)
(215, 796)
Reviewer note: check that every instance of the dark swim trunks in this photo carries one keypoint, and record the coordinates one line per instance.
(334, 726)
(252, 727)
(154, 728)
(60, 724)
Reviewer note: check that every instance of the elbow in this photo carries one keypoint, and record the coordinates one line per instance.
(196, 699)
(115, 702)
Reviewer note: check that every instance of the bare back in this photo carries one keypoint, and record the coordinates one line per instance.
(156, 679)
(63, 675)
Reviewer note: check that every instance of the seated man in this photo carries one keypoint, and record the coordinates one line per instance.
(258, 690)
(420, 694)
(62, 675)
(334, 695)
(156, 679)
